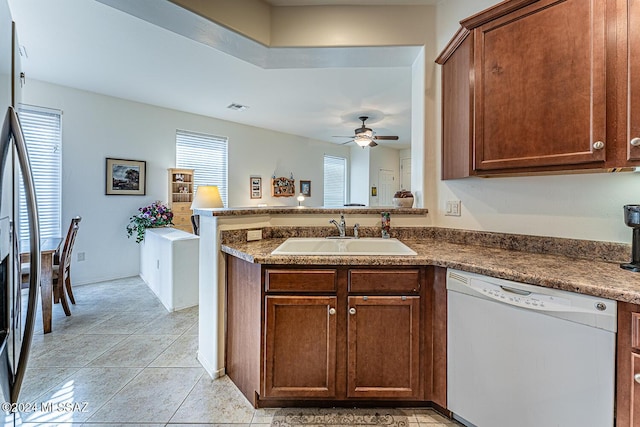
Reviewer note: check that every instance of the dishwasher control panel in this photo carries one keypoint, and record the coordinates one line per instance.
(587, 309)
(520, 297)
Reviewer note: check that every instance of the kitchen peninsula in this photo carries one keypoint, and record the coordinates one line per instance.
(212, 265)
(585, 267)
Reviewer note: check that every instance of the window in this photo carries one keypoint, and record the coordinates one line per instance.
(207, 155)
(43, 135)
(335, 181)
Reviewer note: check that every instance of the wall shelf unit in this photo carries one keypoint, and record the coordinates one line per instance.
(180, 197)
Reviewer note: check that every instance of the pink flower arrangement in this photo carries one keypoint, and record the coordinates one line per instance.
(155, 215)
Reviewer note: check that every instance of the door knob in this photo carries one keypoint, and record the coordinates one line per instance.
(635, 142)
(352, 310)
(636, 377)
(332, 311)
(598, 145)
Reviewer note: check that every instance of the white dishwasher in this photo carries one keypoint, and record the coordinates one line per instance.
(528, 356)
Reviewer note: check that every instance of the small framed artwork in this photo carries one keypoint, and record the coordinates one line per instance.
(255, 187)
(126, 177)
(305, 188)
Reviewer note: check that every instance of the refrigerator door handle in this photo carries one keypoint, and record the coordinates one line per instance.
(34, 241)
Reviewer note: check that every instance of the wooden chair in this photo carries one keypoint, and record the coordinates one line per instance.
(62, 266)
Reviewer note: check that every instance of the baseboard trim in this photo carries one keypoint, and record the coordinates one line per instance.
(208, 366)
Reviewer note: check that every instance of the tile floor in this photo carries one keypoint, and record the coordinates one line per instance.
(122, 359)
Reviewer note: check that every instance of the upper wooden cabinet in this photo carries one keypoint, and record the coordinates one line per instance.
(628, 79)
(541, 85)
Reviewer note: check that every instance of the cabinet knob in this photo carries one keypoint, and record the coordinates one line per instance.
(635, 142)
(598, 145)
(352, 310)
(636, 377)
(332, 311)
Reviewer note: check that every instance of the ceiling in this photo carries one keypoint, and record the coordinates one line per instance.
(91, 46)
(351, 2)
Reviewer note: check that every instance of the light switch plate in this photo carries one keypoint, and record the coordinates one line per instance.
(453, 208)
(254, 235)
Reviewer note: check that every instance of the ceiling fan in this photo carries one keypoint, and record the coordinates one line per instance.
(366, 137)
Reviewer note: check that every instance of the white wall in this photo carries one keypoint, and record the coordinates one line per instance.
(359, 175)
(583, 206)
(95, 127)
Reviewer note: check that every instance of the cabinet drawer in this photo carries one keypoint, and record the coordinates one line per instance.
(384, 281)
(635, 331)
(300, 280)
(179, 207)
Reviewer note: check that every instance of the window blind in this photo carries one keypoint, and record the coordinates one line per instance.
(42, 130)
(335, 181)
(207, 156)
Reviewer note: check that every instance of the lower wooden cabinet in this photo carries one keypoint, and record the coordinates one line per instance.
(384, 347)
(336, 333)
(628, 366)
(300, 346)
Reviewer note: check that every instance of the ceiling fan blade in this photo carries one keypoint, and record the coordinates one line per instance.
(372, 144)
(388, 138)
(345, 143)
(341, 136)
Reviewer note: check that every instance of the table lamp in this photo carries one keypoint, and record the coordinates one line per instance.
(207, 196)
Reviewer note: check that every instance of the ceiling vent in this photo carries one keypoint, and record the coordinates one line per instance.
(237, 107)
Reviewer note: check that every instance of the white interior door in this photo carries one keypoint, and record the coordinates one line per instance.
(386, 187)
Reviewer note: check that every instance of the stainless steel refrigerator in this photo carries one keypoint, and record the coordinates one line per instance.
(16, 323)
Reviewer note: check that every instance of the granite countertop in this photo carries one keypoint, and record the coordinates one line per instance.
(590, 277)
(305, 210)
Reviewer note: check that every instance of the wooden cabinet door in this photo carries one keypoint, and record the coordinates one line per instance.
(540, 86)
(635, 390)
(300, 353)
(629, 64)
(383, 358)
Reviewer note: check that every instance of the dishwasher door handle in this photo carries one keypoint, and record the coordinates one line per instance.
(514, 290)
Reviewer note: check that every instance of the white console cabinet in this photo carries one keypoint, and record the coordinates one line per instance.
(169, 265)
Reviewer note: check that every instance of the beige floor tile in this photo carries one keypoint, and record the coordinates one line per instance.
(212, 425)
(214, 401)
(181, 353)
(263, 416)
(175, 323)
(135, 351)
(125, 324)
(193, 330)
(77, 351)
(429, 416)
(153, 396)
(38, 381)
(77, 397)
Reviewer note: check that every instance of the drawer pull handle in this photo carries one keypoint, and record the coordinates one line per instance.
(635, 142)
(332, 311)
(636, 377)
(598, 145)
(352, 310)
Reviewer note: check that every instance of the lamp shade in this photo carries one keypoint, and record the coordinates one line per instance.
(207, 196)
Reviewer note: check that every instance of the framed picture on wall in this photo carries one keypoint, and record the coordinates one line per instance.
(255, 187)
(305, 188)
(126, 177)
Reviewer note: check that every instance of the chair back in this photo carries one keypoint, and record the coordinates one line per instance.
(65, 255)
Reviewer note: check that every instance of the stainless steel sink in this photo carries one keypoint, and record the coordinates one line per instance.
(324, 246)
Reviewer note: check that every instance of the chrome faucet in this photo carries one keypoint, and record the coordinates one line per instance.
(356, 228)
(342, 226)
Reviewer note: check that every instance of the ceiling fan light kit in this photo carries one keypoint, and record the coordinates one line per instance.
(365, 136)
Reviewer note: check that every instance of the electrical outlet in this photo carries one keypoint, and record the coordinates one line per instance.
(453, 208)
(254, 235)
(80, 256)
